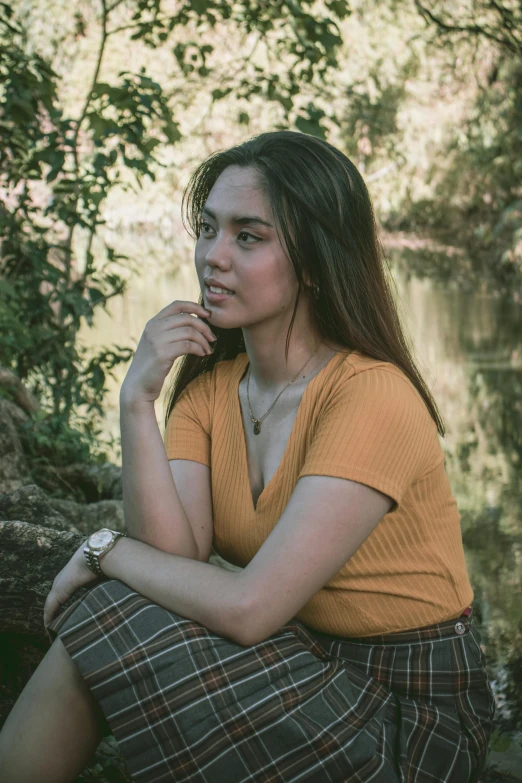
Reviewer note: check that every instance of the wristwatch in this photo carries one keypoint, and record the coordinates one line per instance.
(97, 545)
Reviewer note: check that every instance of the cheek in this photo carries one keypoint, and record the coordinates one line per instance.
(199, 264)
(270, 269)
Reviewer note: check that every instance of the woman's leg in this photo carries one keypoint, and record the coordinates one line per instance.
(54, 727)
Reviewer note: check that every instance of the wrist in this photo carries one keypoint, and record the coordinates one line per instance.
(130, 401)
(108, 559)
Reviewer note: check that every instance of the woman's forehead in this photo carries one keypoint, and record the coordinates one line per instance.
(239, 188)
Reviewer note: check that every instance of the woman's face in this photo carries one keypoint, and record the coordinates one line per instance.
(239, 247)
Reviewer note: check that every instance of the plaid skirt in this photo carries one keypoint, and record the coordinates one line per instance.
(186, 704)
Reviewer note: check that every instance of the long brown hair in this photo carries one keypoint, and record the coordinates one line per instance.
(327, 225)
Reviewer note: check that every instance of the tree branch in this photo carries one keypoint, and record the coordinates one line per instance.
(22, 396)
(113, 6)
(76, 167)
(120, 29)
(509, 24)
(515, 47)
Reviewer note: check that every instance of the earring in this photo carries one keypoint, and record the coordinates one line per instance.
(316, 291)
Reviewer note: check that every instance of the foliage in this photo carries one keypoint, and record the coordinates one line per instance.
(430, 112)
(498, 742)
(107, 765)
(376, 80)
(56, 172)
(479, 196)
(499, 21)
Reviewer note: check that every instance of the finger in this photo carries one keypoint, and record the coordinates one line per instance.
(48, 613)
(184, 306)
(185, 337)
(189, 345)
(173, 321)
(51, 608)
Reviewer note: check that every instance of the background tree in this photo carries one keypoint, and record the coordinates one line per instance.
(56, 172)
(479, 195)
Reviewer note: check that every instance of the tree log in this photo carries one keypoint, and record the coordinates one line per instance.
(22, 396)
(32, 555)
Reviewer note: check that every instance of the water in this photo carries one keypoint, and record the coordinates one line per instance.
(472, 346)
(469, 349)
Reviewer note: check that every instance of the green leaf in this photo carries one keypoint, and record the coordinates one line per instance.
(24, 106)
(498, 742)
(199, 6)
(311, 126)
(218, 94)
(339, 8)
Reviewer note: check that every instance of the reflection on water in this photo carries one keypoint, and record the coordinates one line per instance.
(469, 349)
(473, 347)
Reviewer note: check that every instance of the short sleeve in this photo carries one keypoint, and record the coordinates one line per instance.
(187, 433)
(374, 429)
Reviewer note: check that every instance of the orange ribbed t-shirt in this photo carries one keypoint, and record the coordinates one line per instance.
(360, 419)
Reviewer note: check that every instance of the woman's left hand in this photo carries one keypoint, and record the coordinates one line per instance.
(75, 574)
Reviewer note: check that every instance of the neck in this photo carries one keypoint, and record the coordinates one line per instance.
(269, 370)
(265, 343)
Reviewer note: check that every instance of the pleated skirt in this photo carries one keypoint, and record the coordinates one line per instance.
(186, 704)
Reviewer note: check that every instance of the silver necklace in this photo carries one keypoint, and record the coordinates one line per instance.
(257, 422)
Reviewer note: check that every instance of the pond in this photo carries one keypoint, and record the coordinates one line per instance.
(469, 349)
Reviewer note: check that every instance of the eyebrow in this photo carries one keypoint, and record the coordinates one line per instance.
(240, 220)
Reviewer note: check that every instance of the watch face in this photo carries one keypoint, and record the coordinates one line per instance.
(100, 539)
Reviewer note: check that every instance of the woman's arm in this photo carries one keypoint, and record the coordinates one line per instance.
(208, 594)
(324, 523)
(151, 505)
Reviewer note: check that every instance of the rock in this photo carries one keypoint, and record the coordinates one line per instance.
(32, 555)
(18, 415)
(14, 472)
(96, 482)
(23, 398)
(38, 536)
(88, 517)
(30, 504)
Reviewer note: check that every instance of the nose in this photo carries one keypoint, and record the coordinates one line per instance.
(217, 251)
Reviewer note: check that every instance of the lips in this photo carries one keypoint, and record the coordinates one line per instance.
(225, 290)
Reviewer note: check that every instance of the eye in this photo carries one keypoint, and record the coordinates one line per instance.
(246, 234)
(205, 226)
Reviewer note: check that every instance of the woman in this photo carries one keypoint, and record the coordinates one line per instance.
(301, 442)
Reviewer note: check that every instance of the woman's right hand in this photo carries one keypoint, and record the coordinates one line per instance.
(173, 332)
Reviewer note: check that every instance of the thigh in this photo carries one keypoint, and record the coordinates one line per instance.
(55, 725)
(185, 703)
(443, 700)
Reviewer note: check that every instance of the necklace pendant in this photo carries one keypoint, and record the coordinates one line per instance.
(257, 427)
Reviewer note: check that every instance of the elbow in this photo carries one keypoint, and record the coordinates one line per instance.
(240, 627)
(249, 639)
(255, 633)
(244, 636)
(247, 636)
(249, 625)
(239, 615)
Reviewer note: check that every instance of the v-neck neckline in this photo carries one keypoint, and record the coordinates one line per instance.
(239, 418)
